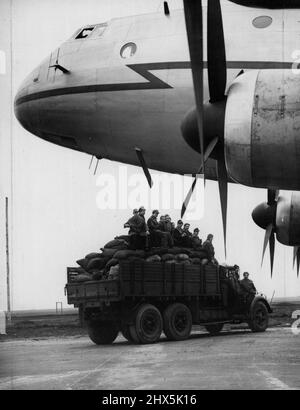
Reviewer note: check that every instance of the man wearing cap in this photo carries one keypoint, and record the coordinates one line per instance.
(237, 272)
(138, 229)
(152, 222)
(178, 234)
(153, 226)
(157, 232)
(247, 285)
(196, 241)
(234, 282)
(187, 235)
(144, 231)
(142, 212)
(165, 226)
(209, 247)
(131, 221)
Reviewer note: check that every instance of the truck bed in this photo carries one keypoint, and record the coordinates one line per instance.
(144, 279)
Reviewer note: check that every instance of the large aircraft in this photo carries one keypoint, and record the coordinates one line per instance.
(176, 92)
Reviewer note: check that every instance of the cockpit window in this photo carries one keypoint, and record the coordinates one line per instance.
(99, 30)
(85, 32)
(93, 31)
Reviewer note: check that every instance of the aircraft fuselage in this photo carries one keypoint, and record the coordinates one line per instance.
(129, 84)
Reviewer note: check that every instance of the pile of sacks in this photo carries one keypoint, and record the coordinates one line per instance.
(105, 264)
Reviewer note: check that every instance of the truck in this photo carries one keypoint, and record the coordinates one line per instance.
(148, 298)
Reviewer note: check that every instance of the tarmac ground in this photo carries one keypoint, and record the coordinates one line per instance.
(236, 359)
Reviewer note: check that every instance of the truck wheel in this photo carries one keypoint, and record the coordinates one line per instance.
(214, 329)
(102, 333)
(133, 335)
(126, 333)
(177, 322)
(147, 325)
(259, 318)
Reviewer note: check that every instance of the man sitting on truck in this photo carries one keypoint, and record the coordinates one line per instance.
(196, 241)
(178, 234)
(208, 246)
(165, 226)
(138, 230)
(187, 236)
(247, 285)
(130, 222)
(157, 235)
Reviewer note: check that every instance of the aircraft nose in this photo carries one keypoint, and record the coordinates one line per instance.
(23, 104)
(23, 111)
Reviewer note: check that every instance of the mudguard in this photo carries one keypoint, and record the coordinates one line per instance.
(260, 298)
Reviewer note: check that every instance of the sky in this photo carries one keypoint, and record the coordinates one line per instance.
(54, 215)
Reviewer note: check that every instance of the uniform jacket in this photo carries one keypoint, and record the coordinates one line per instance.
(137, 224)
(177, 235)
(165, 226)
(248, 286)
(208, 246)
(196, 242)
(153, 224)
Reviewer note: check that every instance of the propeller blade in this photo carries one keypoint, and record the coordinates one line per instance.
(188, 197)
(297, 258)
(194, 28)
(92, 159)
(166, 8)
(272, 250)
(144, 166)
(97, 163)
(268, 234)
(216, 53)
(295, 255)
(272, 196)
(223, 189)
(207, 154)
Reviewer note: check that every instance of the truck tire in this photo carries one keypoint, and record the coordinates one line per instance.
(259, 318)
(133, 335)
(214, 329)
(177, 322)
(102, 333)
(147, 325)
(126, 333)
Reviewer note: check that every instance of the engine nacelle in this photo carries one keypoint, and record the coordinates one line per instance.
(288, 219)
(284, 215)
(262, 129)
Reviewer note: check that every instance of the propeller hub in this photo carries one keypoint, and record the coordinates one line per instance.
(264, 215)
(213, 126)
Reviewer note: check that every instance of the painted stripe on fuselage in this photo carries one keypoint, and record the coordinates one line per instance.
(153, 82)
